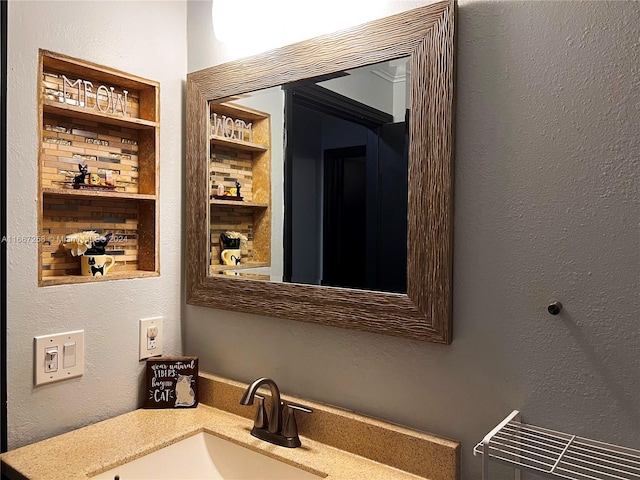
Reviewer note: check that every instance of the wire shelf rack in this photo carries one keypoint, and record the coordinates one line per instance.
(555, 454)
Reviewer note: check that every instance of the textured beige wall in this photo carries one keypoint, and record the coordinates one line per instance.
(147, 39)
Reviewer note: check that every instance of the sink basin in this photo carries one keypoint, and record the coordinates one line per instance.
(205, 456)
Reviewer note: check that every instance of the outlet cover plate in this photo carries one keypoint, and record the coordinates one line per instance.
(71, 343)
(145, 324)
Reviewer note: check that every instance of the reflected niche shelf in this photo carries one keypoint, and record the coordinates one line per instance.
(109, 121)
(240, 151)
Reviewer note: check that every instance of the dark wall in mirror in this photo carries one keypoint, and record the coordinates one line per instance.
(426, 37)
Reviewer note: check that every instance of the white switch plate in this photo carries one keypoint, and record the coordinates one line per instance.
(69, 346)
(150, 346)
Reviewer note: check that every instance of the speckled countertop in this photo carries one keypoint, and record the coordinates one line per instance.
(339, 450)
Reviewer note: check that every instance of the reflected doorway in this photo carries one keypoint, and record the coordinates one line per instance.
(344, 253)
(346, 218)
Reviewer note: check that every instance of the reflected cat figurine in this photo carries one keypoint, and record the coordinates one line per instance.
(185, 396)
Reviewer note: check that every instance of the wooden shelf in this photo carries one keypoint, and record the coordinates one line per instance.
(239, 144)
(121, 145)
(242, 266)
(72, 279)
(63, 192)
(235, 203)
(237, 110)
(66, 110)
(59, 63)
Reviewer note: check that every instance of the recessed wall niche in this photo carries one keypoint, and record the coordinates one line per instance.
(108, 121)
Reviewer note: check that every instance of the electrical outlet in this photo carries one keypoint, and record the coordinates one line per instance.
(152, 334)
(150, 337)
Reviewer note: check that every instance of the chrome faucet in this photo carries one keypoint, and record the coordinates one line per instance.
(279, 427)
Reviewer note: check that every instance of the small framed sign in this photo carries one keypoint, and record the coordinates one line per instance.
(172, 382)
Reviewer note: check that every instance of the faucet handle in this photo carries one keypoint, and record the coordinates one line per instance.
(289, 425)
(260, 420)
(301, 408)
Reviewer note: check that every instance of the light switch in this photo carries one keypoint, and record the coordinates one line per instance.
(51, 359)
(58, 357)
(69, 355)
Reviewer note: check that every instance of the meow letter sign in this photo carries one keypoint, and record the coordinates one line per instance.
(105, 99)
(172, 382)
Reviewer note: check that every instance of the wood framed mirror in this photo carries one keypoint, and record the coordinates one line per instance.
(426, 36)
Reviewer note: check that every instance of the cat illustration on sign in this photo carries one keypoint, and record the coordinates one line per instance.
(185, 396)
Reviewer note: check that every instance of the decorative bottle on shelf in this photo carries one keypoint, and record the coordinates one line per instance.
(220, 189)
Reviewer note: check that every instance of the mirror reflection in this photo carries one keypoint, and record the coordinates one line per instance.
(308, 181)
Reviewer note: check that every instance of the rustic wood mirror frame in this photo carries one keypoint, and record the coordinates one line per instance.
(426, 35)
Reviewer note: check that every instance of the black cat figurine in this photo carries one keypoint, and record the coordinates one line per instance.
(227, 242)
(79, 179)
(99, 244)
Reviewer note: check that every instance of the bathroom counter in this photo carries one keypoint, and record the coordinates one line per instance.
(91, 450)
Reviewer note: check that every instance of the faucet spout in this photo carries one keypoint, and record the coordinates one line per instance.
(275, 418)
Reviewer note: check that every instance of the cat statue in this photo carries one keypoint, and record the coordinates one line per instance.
(185, 396)
(80, 179)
